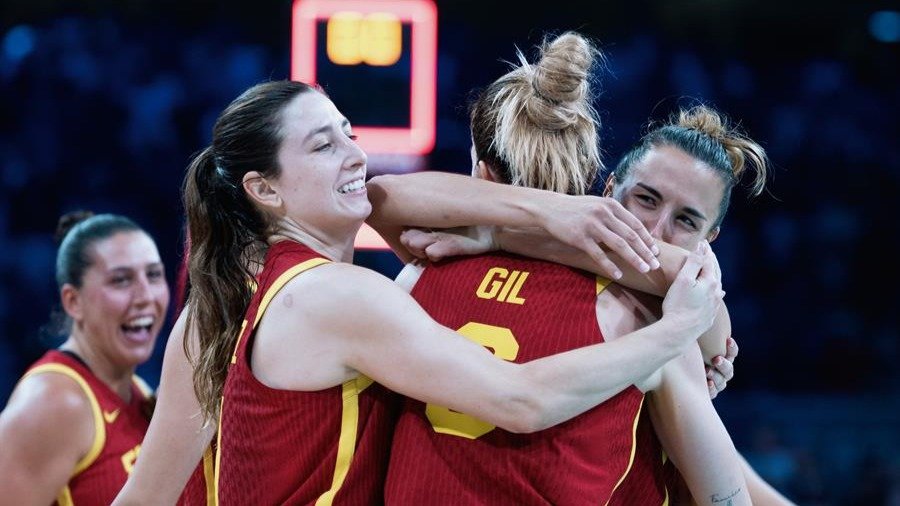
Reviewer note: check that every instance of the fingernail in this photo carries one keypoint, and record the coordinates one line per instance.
(644, 267)
(617, 275)
(655, 249)
(654, 264)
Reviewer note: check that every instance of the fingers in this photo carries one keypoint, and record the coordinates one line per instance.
(627, 237)
(635, 224)
(415, 241)
(731, 349)
(715, 381)
(607, 266)
(445, 245)
(724, 367)
(691, 268)
(625, 243)
(712, 389)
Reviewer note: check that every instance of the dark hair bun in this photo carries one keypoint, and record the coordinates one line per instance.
(67, 222)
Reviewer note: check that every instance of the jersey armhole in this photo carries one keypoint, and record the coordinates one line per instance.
(99, 427)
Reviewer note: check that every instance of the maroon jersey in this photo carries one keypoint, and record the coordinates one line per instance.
(653, 478)
(290, 447)
(200, 490)
(521, 309)
(119, 428)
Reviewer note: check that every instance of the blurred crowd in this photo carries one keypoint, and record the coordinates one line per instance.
(103, 112)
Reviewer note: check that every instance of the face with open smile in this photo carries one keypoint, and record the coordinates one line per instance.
(323, 170)
(675, 196)
(121, 304)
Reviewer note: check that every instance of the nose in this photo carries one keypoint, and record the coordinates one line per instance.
(657, 228)
(142, 293)
(356, 157)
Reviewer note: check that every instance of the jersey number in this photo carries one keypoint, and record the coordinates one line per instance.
(454, 423)
(129, 458)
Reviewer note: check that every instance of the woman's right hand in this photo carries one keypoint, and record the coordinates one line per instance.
(587, 222)
(436, 245)
(693, 300)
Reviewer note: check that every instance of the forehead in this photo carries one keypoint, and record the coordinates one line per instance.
(125, 249)
(308, 112)
(679, 176)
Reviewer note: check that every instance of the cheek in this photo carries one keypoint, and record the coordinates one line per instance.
(161, 295)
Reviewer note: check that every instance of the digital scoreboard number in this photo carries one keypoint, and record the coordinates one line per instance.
(377, 59)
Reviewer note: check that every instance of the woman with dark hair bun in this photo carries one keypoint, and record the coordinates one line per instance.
(73, 425)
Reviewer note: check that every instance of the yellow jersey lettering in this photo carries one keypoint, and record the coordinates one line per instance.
(514, 293)
(503, 285)
(494, 278)
(129, 458)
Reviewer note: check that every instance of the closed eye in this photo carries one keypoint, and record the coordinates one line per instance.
(688, 222)
(645, 199)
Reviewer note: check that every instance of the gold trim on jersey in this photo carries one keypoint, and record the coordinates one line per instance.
(65, 497)
(634, 427)
(273, 290)
(142, 386)
(209, 476)
(350, 391)
(283, 280)
(602, 283)
(99, 426)
(218, 453)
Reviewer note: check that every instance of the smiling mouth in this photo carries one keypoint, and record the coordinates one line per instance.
(352, 186)
(140, 324)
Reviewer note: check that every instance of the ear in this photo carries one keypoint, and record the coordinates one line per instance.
(484, 171)
(610, 186)
(711, 236)
(261, 190)
(70, 298)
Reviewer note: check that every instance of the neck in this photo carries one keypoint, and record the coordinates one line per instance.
(337, 248)
(116, 377)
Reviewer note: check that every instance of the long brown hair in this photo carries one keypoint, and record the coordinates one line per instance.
(227, 233)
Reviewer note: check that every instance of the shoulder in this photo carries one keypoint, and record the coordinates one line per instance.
(621, 311)
(340, 296)
(348, 282)
(39, 405)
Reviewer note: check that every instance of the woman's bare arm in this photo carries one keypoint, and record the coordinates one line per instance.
(177, 436)
(693, 435)
(392, 340)
(441, 199)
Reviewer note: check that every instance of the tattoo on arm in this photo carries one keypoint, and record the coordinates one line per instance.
(728, 499)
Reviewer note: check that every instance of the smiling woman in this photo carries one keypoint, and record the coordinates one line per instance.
(114, 295)
(293, 349)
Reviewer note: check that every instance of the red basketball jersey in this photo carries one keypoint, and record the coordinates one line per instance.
(200, 490)
(119, 428)
(290, 447)
(521, 309)
(653, 478)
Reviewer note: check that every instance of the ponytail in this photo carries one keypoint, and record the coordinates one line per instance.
(228, 234)
(220, 241)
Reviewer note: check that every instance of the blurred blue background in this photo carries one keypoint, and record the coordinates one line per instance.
(103, 104)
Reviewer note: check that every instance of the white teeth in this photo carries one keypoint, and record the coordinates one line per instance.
(352, 186)
(142, 321)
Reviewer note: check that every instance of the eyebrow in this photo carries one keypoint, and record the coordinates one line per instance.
(689, 210)
(123, 269)
(322, 129)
